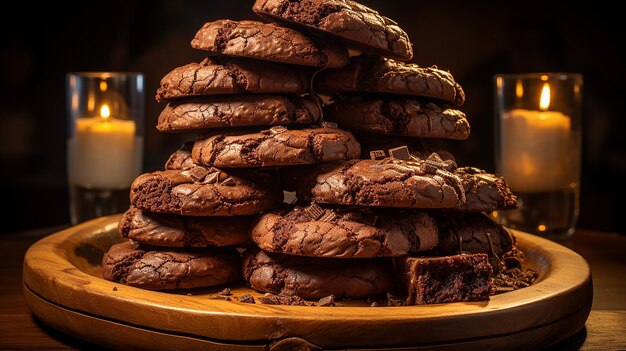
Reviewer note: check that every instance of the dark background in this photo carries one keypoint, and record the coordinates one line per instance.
(473, 40)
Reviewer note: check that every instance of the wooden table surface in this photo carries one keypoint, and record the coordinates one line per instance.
(604, 330)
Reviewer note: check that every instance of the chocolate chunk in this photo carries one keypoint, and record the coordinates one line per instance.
(229, 182)
(314, 211)
(377, 154)
(115, 288)
(393, 300)
(328, 216)
(278, 129)
(327, 301)
(212, 178)
(246, 298)
(401, 152)
(198, 173)
(326, 124)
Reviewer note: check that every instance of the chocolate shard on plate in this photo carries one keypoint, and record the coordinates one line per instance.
(327, 301)
(400, 152)
(246, 298)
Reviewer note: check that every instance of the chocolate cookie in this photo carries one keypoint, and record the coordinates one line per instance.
(181, 158)
(472, 233)
(387, 182)
(398, 117)
(204, 192)
(131, 264)
(357, 25)
(314, 278)
(219, 75)
(182, 231)
(431, 280)
(275, 147)
(237, 110)
(484, 191)
(367, 74)
(267, 41)
(344, 232)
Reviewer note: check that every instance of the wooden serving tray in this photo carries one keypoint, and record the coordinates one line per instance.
(63, 287)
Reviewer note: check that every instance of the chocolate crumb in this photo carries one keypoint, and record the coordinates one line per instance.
(271, 299)
(393, 300)
(278, 130)
(327, 301)
(225, 292)
(115, 288)
(189, 294)
(375, 304)
(229, 182)
(329, 124)
(246, 298)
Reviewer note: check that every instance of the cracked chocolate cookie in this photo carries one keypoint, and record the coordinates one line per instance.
(355, 24)
(220, 75)
(314, 278)
(344, 232)
(431, 280)
(268, 41)
(181, 158)
(204, 192)
(398, 117)
(472, 233)
(183, 231)
(237, 111)
(367, 74)
(484, 191)
(135, 265)
(389, 182)
(276, 146)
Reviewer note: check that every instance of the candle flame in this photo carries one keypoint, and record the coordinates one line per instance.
(103, 86)
(544, 101)
(105, 112)
(519, 89)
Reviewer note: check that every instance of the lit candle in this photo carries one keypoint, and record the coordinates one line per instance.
(536, 148)
(104, 153)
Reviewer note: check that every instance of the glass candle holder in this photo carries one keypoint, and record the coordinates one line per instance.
(538, 150)
(105, 141)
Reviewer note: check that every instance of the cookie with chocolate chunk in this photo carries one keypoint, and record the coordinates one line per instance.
(276, 146)
(143, 267)
(356, 25)
(221, 75)
(405, 117)
(237, 111)
(314, 278)
(388, 182)
(344, 232)
(267, 41)
(484, 191)
(183, 231)
(367, 74)
(204, 192)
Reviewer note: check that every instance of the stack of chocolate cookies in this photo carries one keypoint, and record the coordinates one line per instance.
(395, 223)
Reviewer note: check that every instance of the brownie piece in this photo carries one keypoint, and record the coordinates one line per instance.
(275, 147)
(220, 75)
(356, 25)
(181, 231)
(398, 117)
(237, 111)
(432, 280)
(367, 74)
(344, 232)
(484, 191)
(204, 192)
(142, 267)
(267, 41)
(388, 182)
(315, 278)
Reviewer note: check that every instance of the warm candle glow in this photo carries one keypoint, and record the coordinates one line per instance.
(519, 89)
(103, 86)
(544, 101)
(105, 112)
